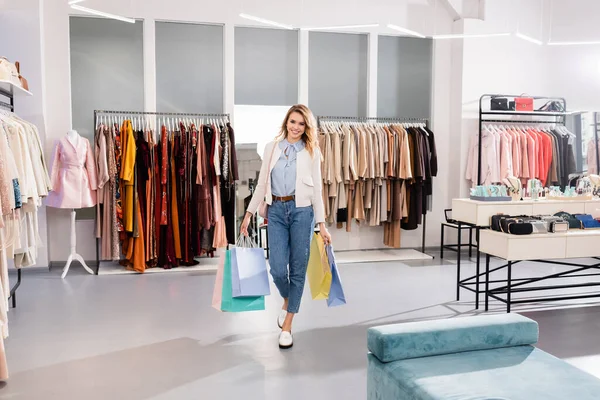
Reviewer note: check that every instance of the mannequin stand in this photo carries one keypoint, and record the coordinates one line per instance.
(74, 256)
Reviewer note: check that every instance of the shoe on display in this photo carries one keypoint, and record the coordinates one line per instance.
(286, 340)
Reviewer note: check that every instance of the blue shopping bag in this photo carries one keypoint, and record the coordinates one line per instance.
(336, 293)
(233, 304)
(249, 275)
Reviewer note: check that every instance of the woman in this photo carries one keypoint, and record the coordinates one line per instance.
(290, 182)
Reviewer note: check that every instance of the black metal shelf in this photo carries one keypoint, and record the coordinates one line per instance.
(526, 113)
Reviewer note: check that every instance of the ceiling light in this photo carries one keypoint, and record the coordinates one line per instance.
(75, 2)
(469, 36)
(102, 14)
(341, 27)
(572, 43)
(404, 30)
(266, 21)
(529, 39)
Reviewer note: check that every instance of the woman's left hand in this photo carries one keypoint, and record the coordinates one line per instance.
(325, 234)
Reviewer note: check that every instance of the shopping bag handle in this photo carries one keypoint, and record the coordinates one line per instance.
(245, 241)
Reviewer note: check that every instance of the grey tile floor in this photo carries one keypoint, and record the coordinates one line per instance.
(156, 336)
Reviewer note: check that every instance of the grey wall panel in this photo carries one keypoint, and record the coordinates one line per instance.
(107, 69)
(404, 77)
(266, 66)
(189, 68)
(338, 74)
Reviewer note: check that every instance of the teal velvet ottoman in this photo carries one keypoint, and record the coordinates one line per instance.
(473, 358)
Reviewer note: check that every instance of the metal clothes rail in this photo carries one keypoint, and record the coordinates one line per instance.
(561, 118)
(11, 107)
(384, 119)
(97, 113)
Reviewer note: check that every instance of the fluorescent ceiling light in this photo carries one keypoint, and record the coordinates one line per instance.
(404, 30)
(75, 2)
(469, 36)
(529, 39)
(102, 14)
(572, 43)
(266, 21)
(327, 28)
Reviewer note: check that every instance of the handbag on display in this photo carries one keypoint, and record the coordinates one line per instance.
(552, 106)
(587, 221)
(573, 222)
(263, 206)
(524, 104)
(499, 104)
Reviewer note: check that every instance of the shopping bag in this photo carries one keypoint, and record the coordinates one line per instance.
(336, 293)
(318, 271)
(249, 275)
(239, 304)
(218, 289)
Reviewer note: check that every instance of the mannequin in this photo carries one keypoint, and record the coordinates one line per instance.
(73, 183)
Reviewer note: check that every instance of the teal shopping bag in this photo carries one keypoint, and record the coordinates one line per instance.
(237, 304)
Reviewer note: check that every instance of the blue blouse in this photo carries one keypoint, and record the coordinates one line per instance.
(283, 176)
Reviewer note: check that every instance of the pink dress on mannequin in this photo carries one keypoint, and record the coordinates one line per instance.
(74, 181)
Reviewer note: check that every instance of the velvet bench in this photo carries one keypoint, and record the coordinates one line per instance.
(472, 358)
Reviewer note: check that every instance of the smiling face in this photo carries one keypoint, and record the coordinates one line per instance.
(296, 126)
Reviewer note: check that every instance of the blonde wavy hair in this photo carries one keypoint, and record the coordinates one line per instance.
(310, 132)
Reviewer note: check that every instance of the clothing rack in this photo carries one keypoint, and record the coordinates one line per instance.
(384, 119)
(8, 106)
(11, 107)
(97, 113)
(560, 118)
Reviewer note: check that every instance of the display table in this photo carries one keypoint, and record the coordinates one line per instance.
(478, 214)
(546, 248)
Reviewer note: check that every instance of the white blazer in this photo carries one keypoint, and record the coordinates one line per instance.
(308, 180)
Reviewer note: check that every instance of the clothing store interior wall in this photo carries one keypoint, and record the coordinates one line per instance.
(210, 47)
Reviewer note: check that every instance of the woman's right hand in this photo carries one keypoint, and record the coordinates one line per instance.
(245, 223)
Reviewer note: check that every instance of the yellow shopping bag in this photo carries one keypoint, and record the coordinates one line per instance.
(319, 271)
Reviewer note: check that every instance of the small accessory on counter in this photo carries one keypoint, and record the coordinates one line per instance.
(587, 221)
(490, 193)
(573, 222)
(559, 226)
(534, 188)
(537, 226)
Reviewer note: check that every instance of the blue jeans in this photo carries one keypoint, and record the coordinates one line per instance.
(290, 233)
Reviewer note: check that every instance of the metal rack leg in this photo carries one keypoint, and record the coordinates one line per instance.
(487, 282)
(470, 241)
(442, 241)
(508, 288)
(458, 265)
(13, 291)
(424, 232)
(97, 256)
(478, 270)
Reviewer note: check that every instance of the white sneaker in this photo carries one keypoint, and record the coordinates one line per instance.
(286, 340)
(281, 318)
